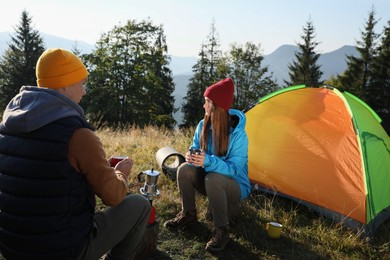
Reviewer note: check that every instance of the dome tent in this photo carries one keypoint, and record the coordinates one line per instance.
(324, 149)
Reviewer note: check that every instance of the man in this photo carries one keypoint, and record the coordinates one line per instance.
(51, 167)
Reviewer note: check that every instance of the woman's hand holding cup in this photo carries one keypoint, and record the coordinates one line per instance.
(195, 157)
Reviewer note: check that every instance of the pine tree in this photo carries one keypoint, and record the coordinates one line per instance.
(129, 81)
(378, 88)
(17, 66)
(305, 70)
(205, 73)
(251, 81)
(357, 74)
(162, 95)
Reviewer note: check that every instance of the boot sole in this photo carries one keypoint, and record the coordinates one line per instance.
(214, 250)
(180, 226)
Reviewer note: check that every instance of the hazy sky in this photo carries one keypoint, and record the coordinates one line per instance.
(187, 23)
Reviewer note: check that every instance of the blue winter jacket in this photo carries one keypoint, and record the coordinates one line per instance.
(235, 163)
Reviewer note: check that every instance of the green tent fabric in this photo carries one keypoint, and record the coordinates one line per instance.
(375, 149)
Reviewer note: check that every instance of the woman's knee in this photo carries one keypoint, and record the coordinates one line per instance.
(182, 168)
(183, 171)
(213, 181)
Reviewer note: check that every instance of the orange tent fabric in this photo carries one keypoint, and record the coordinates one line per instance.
(303, 144)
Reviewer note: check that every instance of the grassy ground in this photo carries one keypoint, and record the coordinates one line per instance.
(305, 235)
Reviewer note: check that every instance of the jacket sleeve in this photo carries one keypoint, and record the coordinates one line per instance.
(87, 156)
(235, 161)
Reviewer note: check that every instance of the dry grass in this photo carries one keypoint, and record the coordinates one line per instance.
(306, 235)
(142, 145)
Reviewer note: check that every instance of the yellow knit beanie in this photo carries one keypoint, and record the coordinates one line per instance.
(58, 68)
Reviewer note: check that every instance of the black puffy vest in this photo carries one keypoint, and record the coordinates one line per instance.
(46, 207)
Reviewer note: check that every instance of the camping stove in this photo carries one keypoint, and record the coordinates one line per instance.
(149, 190)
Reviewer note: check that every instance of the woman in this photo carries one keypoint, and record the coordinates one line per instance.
(220, 169)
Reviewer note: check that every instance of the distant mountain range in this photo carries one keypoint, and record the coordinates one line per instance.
(332, 63)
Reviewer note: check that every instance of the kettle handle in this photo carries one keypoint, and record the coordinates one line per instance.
(141, 177)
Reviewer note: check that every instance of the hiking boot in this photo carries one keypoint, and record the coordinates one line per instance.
(219, 239)
(182, 219)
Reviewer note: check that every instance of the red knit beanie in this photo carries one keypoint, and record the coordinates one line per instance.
(221, 93)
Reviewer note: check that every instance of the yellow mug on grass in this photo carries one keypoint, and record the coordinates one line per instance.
(274, 229)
